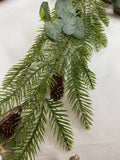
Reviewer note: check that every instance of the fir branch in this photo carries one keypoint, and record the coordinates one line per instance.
(60, 124)
(77, 93)
(20, 84)
(32, 126)
(12, 89)
(31, 78)
(95, 29)
(88, 76)
(64, 62)
(83, 52)
(33, 55)
(33, 129)
(100, 9)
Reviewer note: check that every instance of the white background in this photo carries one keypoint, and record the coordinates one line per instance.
(19, 22)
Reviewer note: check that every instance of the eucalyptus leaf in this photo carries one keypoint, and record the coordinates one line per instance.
(54, 29)
(80, 30)
(69, 22)
(45, 12)
(63, 7)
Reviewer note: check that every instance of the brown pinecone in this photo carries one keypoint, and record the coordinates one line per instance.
(76, 157)
(57, 88)
(9, 122)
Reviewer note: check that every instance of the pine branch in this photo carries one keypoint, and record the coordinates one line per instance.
(88, 76)
(28, 76)
(77, 93)
(31, 78)
(22, 72)
(34, 54)
(26, 80)
(93, 23)
(32, 128)
(60, 124)
(100, 9)
(83, 53)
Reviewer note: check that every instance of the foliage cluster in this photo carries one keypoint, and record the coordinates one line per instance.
(30, 80)
(67, 20)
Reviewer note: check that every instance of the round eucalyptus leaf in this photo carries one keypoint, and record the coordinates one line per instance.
(54, 29)
(69, 23)
(45, 12)
(80, 30)
(63, 7)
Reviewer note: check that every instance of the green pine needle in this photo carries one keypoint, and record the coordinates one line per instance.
(31, 78)
(60, 124)
(78, 94)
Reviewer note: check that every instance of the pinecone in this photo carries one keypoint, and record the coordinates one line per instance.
(76, 157)
(57, 88)
(7, 129)
(9, 122)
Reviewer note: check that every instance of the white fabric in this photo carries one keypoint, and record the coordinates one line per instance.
(19, 22)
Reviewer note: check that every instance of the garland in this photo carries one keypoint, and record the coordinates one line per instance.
(56, 63)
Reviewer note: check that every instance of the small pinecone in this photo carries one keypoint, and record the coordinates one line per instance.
(76, 157)
(8, 127)
(57, 89)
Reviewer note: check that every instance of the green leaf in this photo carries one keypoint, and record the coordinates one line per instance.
(80, 30)
(69, 22)
(42, 13)
(63, 7)
(54, 29)
(45, 12)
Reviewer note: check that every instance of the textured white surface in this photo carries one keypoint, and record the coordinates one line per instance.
(19, 21)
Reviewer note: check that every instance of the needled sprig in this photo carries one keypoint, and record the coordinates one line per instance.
(57, 60)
